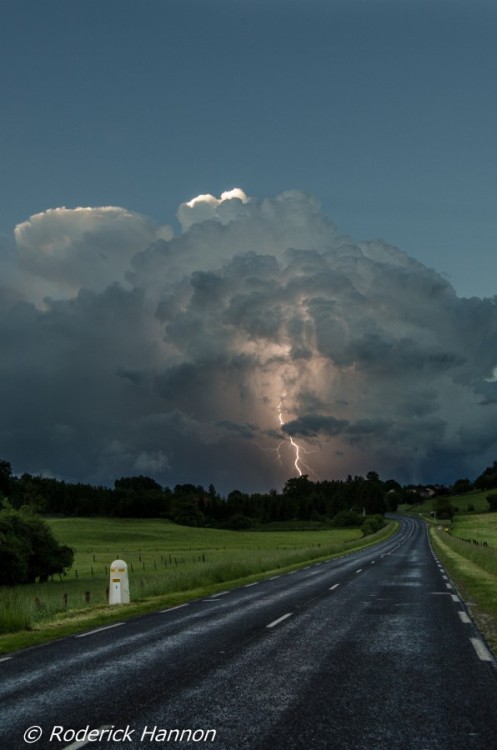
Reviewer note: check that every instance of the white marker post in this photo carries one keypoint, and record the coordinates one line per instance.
(119, 583)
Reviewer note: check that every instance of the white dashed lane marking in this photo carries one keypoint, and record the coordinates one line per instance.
(480, 648)
(280, 619)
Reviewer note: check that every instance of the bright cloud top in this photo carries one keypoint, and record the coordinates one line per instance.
(204, 207)
(201, 357)
(83, 247)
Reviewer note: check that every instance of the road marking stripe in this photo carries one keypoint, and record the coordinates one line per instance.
(455, 598)
(251, 584)
(178, 606)
(221, 593)
(280, 619)
(359, 571)
(372, 562)
(464, 617)
(99, 630)
(6, 658)
(480, 648)
(335, 585)
(440, 593)
(273, 578)
(82, 743)
(449, 585)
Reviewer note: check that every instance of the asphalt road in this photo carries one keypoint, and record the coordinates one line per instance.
(372, 651)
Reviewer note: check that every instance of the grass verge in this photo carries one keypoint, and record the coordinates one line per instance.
(474, 571)
(57, 624)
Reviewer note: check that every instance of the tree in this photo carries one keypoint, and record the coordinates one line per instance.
(298, 486)
(370, 496)
(492, 501)
(138, 484)
(443, 507)
(488, 478)
(185, 511)
(5, 478)
(28, 549)
(462, 485)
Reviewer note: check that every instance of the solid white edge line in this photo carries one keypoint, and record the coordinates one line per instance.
(171, 609)
(247, 585)
(99, 630)
(464, 617)
(221, 593)
(6, 658)
(481, 650)
(280, 619)
(335, 586)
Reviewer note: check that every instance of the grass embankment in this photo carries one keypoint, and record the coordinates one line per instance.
(168, 565)
(469, 552)
(468, 502)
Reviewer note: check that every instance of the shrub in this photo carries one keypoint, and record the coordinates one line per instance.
(372, 524)
(348, 518)
(238, 522)
(492, 501)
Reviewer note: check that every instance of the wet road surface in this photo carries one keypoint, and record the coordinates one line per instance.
(372, 651)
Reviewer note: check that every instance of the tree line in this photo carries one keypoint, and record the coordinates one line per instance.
(142, 497)
(300, 499)
(29, 552)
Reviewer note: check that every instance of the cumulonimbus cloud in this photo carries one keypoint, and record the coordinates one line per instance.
(203, 356)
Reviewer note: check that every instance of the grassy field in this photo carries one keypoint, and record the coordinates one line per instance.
(469, 502)
(469, 553)
(167, 564)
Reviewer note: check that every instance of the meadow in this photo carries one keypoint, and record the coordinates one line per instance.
(469, 502)
(167, 564)
(469, 552)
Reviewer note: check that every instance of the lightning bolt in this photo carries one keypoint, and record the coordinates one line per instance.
(294, 445)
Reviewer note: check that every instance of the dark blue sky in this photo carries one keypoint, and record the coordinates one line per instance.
(207, 340)
(386, 111)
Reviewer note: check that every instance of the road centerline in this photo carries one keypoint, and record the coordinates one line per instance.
(280, 619)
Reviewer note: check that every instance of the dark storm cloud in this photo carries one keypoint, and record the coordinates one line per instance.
(126, 349)
(311, 425)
